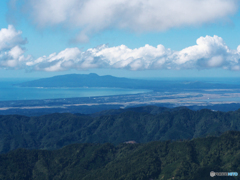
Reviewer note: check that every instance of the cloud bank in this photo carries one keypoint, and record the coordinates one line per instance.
(11, 52)
(209, 52)
(92, 16)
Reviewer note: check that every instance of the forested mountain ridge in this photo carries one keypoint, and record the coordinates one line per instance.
(143, 124)
(191, 160)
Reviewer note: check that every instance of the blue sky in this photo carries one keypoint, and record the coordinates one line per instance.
(187, 38)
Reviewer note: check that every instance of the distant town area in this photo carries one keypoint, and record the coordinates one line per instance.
(209, 97)
(194, 94)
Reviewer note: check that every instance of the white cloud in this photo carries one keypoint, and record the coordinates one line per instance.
(92, 16)
(10, 37)
(11, 53)
(15, 52)
(209, 52)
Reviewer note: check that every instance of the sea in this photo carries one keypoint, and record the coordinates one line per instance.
(9, 91)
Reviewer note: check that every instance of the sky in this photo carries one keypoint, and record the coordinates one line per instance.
(137, 38)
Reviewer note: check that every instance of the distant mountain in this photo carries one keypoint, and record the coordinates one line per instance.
(88, 80)
(94, 80)
(190, 160)
(142, 124)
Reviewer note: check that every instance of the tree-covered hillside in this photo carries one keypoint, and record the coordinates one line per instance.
(143, 124)
(185, 160)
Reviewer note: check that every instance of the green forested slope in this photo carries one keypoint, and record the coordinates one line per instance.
(141, 125)
(191, 160)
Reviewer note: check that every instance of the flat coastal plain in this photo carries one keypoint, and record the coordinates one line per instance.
(200, 98)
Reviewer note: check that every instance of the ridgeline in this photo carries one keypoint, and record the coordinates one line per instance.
(142, 124)
(191, 160)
